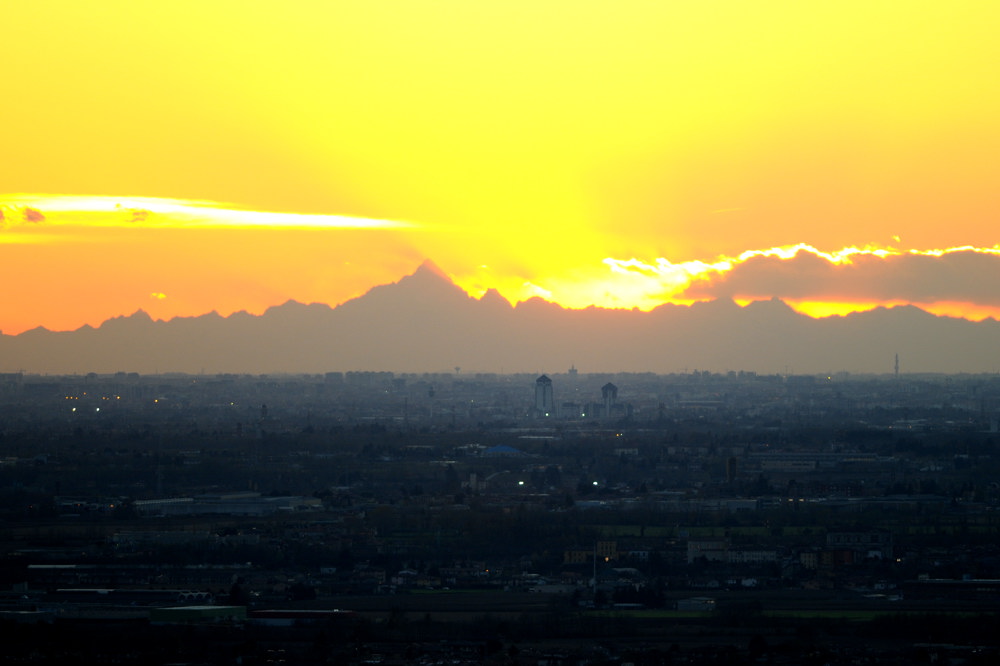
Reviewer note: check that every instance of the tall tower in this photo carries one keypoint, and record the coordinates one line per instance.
(545, 404)
(897, 366)
(609, 396)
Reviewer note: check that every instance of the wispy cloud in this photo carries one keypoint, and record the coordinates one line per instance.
(101, 211)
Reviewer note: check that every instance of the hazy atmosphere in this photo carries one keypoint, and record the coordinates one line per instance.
(183, 158)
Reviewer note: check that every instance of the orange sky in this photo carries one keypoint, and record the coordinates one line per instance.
(592, 153)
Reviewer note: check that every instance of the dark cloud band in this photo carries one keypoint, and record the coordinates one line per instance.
(971, 276)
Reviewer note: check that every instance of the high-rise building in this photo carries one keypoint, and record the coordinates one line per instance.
(609, 396)
(545, 404)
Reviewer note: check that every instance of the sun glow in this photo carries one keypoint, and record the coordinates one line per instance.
(619, 155)
(970, 311)
(822, 309)
(844, 256)
(241, 259)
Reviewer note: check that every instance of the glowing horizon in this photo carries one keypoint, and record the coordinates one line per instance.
(106, 224)
(626, 155)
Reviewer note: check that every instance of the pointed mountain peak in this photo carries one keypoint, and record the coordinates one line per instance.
(428, 282)
(494, 297)
(428, 269)
(427, 278)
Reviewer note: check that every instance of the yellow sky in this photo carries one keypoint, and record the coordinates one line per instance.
(523, 143)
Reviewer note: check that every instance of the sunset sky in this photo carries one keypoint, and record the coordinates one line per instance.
(182, 157)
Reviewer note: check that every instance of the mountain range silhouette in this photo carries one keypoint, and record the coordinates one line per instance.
(426, 323)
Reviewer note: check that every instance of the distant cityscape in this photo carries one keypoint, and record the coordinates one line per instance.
(410, 517)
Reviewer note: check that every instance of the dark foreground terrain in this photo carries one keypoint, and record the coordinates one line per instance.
(374, 518)
(487, 627)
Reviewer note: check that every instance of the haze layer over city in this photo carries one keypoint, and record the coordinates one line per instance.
(494, 518)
